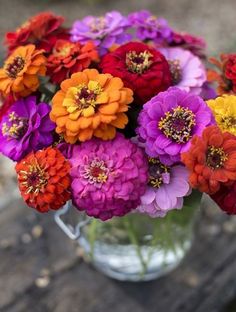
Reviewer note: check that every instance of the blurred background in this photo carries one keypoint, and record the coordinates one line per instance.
(41, 270)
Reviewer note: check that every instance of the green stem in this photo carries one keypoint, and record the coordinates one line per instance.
(133, 239)
(92, 229)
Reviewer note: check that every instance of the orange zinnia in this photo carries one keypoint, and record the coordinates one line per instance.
(44, 179)
(20, 72)
(211, 160)
(68, 58)
(90, 104)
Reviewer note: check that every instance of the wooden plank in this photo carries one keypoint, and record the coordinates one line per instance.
(45, 274)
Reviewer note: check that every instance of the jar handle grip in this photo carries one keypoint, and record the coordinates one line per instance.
(72, 232)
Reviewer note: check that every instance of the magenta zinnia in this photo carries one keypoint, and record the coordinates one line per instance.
(108, 177)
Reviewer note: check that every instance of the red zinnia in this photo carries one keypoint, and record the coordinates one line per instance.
(35, 31)
(44, 179)
(211, 160)
(68, 58)
(230, 69)
(226, 198)
(141, 68)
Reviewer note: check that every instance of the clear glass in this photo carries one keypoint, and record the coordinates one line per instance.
(136, 247)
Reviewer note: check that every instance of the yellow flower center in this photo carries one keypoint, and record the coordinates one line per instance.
(228, 121)
(15, 127)
(14, 67)
(215, 157)
(96, 172)
(64, 50)
(81, 100)
(138, 62)
(158, 172)
(34, 179)
(97, 24)
(178, 124)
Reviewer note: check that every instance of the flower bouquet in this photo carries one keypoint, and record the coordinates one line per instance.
(115, 117)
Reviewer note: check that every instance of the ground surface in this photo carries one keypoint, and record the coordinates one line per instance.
(40, 269)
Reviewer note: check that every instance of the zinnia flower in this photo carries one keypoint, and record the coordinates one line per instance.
(211, 160)
(21, 70)
(224, 110)
(108, 177)
(36, 30)
(230, 69)
(225, 75)
(194, 44)
(26, 127)
(168, 122)
(141, 68)
(166, 188)
(226, 198)
(90, 104)
(187, 71)
(104, 31)
(68, 58)
(149, 27)
(44, 180)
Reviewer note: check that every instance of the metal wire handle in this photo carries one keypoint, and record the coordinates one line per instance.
(68, 229)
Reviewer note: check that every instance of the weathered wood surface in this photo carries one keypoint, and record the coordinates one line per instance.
(40, 271)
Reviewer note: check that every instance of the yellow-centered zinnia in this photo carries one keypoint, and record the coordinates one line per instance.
(90, 104)
(224, 110)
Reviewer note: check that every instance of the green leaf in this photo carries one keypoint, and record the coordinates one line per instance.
(193, 200)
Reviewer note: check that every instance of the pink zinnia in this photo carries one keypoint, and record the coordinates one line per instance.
(167, 187)
(108, 177)
(187, 70)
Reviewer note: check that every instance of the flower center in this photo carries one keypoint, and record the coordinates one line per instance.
(63, 50)
(16, 126)
(82, 97)
(34, 179)
(138, 62)
(15, 67)
(85, 97)
(228, 121)
(175, 70)
(158, 173)
(215, 157)
(178, 124)
(97, 24)
(96, 172)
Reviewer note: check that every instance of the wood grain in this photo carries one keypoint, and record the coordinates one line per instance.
(41, 271)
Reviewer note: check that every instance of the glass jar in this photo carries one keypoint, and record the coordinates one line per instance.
(135, 247)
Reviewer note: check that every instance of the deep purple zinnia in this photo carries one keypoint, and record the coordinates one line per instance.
(166, 189)
(149, 27)
(168, 122)
(108, 177)
(26, 127)
(104, 31)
